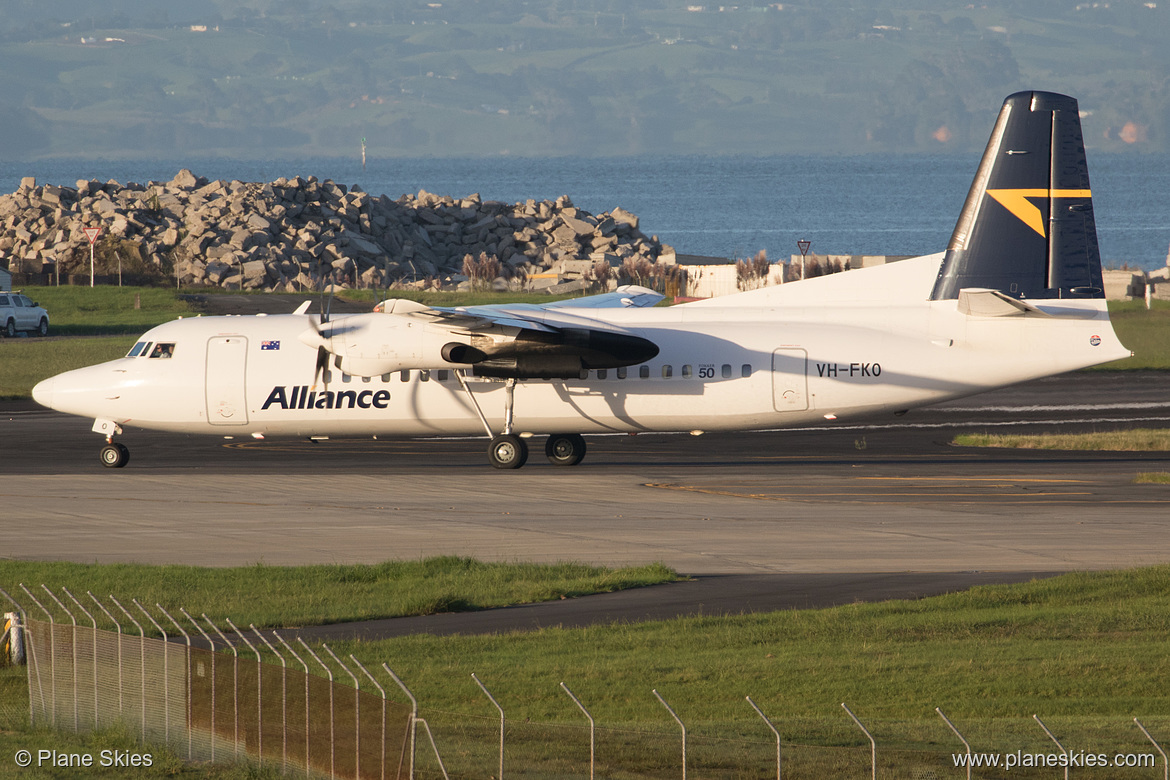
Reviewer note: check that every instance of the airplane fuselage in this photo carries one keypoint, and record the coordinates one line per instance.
(736, 367)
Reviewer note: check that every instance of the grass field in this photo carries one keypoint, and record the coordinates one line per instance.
(1136, 440)
(1084, 651)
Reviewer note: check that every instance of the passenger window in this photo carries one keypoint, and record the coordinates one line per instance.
(385, 378)
(667, 372)
(424, 376)
(644, 372)
(602, 373)
(746, 371)
(444, 375)
(621, 373)
(405, 375)
(327, 376)
(686, 371)
(366, 380)
(137, 350)
(727, 371)
(345, 378)
(162, 350)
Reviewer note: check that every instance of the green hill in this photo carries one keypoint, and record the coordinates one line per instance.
(552, 77)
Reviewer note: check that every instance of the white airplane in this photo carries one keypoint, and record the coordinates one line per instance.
(1017, 295)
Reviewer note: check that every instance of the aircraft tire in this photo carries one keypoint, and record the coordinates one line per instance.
(565, 449)
(507, 451)
(114, 456)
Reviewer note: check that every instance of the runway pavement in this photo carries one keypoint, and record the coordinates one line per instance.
(851, 500)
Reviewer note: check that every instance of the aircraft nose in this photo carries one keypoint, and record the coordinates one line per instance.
(42, 392)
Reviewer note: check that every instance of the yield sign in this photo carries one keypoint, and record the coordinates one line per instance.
(803, 246)
(92, 233)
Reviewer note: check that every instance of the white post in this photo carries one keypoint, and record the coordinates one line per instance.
(1055, 740)
(501, 709)
(872, 743)
(382, 691)
(774, 731)
(960, 736)
(592, 728)
(283, 699)
(682, 726)
(413, 715)
(1165, 761)
(187, 637)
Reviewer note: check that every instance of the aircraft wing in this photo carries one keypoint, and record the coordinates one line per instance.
(523, 341)
(545, 317)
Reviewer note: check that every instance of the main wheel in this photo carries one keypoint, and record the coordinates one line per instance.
(43, 327)
(10, 329)
(507, 451)
(114, 456)
(565, 449)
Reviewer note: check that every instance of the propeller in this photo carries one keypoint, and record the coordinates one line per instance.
(320, 339)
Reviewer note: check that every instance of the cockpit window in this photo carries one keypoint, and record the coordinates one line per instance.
(138, 349)
(163, 350)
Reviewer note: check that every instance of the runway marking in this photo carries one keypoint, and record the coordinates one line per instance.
(983, 490)
(983, 479)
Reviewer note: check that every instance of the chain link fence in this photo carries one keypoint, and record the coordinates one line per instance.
(223, 701)
(213, 692)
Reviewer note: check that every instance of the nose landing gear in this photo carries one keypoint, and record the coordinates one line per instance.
(114, 455)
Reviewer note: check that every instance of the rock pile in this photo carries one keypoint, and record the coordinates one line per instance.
(300, 234)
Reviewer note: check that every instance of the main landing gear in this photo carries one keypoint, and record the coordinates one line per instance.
(507, 450)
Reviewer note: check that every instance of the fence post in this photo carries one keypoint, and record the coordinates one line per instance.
(166, 675)
(95, 653)
(681, 725)
(774, 731)
(357, 720)
(142, 657)
(501, 709)
(302, 663)
(872, 743)
(235, 685)
(118, 626)
(259, 694)
(382, 691)
(1165, 761)
(332, 740)
(283, 699)
(73, 651)
(52, 708)
(592, 728)
(413, 716)
(187, 637)
(1054, 739)
(211, 645)
(961, 739)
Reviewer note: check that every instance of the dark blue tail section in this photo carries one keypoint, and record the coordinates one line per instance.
(1027, 226)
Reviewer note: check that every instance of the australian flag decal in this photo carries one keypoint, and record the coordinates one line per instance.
(269, 345)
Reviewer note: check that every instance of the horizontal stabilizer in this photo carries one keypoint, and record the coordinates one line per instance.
(977, 302)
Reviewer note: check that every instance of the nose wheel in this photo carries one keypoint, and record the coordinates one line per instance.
(114, 455)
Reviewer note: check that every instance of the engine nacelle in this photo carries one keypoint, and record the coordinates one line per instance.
(376, 344)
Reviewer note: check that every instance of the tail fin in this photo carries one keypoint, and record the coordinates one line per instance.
(1027, 226)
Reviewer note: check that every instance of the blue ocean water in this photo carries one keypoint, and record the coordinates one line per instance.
(724, 206)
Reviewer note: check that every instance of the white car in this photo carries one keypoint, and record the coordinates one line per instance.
(19, 313)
